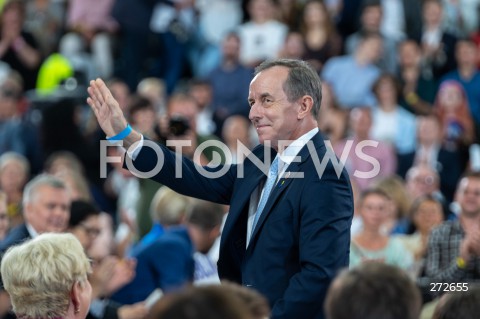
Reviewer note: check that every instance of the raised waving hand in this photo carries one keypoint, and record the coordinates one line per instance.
(108, 112)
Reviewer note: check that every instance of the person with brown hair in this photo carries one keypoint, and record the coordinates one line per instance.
(373, 290)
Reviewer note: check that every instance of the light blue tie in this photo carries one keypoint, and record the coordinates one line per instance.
(271, 180)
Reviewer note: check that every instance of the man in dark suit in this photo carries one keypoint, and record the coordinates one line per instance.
(431, 153)
(297, 241)
(46, 208)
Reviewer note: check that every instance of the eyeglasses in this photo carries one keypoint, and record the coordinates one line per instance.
(91, 231)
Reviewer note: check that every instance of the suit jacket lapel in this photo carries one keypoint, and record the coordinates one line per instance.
(247, 186)
(284, 182)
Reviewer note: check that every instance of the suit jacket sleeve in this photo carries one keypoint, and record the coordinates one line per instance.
(326, 210)
(183, 176)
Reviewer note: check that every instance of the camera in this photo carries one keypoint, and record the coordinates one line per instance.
(178, 125)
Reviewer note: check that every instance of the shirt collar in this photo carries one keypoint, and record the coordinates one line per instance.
(33, 233)
(292, 150)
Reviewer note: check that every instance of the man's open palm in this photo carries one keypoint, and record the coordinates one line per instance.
(106, 108)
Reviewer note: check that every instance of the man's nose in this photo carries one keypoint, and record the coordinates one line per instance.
(254, 113)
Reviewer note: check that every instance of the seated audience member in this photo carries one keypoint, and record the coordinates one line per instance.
(142, 116)
(463, 304)
(14, 173)
(294, 46)
(456, 121)
(168, 209)
(45, 21)
(68, 167)
(418, 85)
(453, 109)
(426, 214)
(391, 122)
(212, 302)
(352, 76)
(202, 92)
(372, 291)
(182, 111)
(334, 125)
(371, 18)
(104, 244)
(46, 208)
(432, 153)
(84, 222)
(422, 180)
(261, 36)
(236, 132)
(89, 29)
(372, 244)
(357, 163)
(453, 253)
(76, 184)
(256, 304)
(154, 90)
(46, 205)
(4, 219)
(18, 48)
(230, 82)
(438, 45)
(169, 263)
(322, 41)
(46, 277)
(398, 221)
(467, 74)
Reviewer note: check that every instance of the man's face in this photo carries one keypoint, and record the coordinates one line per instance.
(274, 117)
(428, 130)
(372, 18)
(469, 196)
(371, 48)
(466, 53)
(361, 122)
(374, 210)
(49, 210)
(422, 182)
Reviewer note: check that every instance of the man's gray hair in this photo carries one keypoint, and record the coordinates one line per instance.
(302, 80)
(39, 181)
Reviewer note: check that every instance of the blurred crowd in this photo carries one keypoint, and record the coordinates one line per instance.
(400, 107)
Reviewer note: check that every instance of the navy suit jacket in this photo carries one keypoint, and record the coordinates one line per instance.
(15, 236)
(302, 238)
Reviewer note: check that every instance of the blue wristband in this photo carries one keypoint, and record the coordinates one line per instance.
(120, 136)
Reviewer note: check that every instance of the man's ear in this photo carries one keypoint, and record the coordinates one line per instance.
(75, 294)
(27, 210)
(306, 104)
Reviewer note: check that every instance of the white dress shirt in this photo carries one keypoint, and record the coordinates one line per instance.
(286, 158)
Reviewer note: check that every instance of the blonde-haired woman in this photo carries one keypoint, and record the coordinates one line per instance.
(46, 277)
